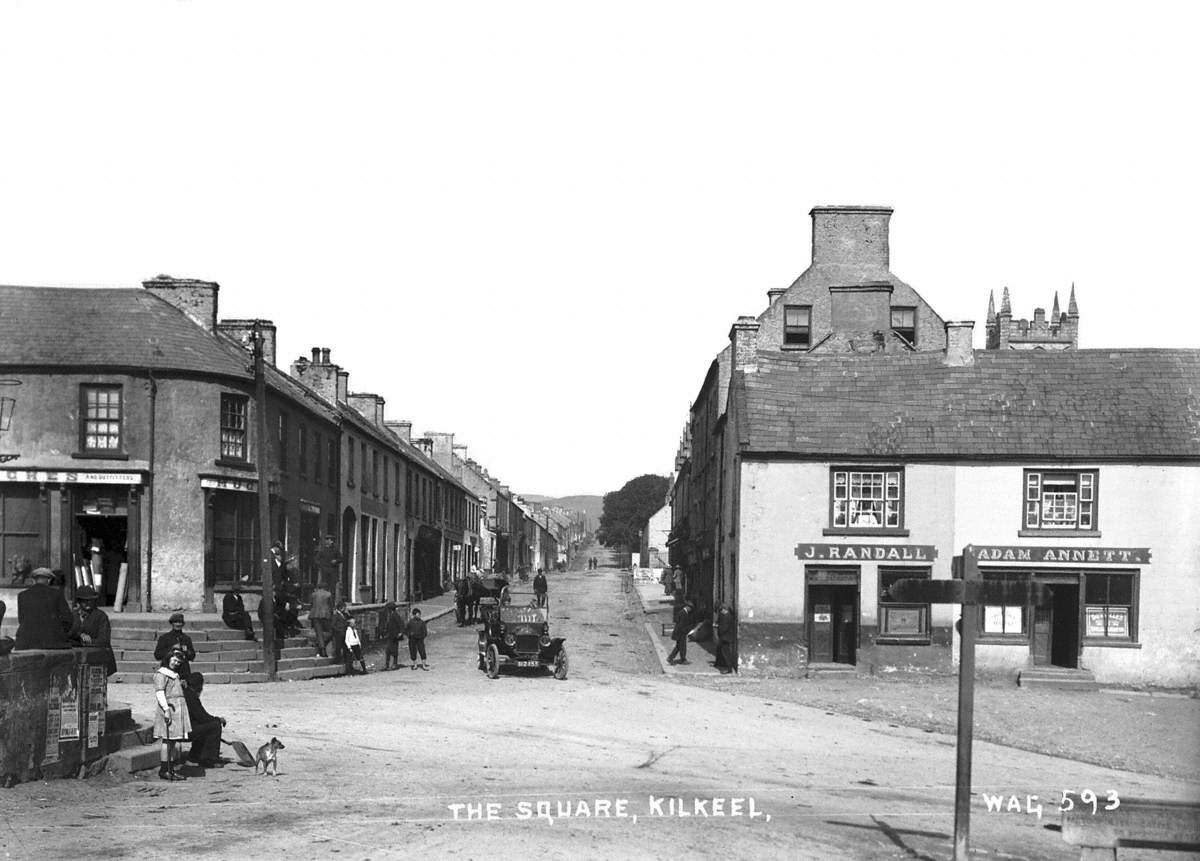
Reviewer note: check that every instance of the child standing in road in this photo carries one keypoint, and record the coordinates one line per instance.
(416, 631)
(393, 630)
(354, 644)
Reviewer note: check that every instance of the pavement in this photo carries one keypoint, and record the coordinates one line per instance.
(659, 610)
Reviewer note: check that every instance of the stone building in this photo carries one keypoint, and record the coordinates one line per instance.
(856, 438)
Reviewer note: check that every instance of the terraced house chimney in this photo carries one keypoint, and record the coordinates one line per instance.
(850, 235)
(319, 374)
(197, 299)
(960, 351)
(241, 330)
(743, 337)
(400, 428)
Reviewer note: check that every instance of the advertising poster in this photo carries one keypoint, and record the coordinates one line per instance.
(97, 701)
(53, 726)
(69, 709)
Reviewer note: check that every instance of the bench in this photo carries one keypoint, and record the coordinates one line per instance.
(1139, 823)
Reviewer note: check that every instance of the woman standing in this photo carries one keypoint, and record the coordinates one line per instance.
(171, 723)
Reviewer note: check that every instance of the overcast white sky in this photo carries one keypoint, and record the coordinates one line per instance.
(532, 224)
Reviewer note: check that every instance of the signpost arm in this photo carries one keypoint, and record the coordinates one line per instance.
(966, 708)
(264, 506)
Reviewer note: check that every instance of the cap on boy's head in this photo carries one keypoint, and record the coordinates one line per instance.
(276, 545)
(86, 593)
(42, 574)
(416, 611)
(176, 617)
(390, 605)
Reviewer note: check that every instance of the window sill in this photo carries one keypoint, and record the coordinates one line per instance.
(99, 455)
(1110, 644)
(902, 641)
(993, 640)
(865, 531)
(794, 348)
(1058, 533)
(235, 464)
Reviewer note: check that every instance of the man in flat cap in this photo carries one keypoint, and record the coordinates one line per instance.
(176, 639)
(44, 619)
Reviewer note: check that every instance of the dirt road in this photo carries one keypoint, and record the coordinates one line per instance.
(448, 763)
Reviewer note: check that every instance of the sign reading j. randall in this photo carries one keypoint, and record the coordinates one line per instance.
(1090, 555)
(43, 476)
(867, 552)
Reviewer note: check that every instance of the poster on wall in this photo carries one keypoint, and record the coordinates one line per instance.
(53, 725)
(69, 709)
(1095, 621)
(97, 703)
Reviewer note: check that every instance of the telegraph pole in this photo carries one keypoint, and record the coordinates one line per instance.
(264, 506)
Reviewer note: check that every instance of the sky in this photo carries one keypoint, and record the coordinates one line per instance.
(533, 224)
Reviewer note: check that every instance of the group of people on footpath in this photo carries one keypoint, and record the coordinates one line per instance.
(45, 620)
(687, 626)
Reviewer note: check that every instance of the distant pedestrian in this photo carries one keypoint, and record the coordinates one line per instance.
(416, 631)
(724, 632)
(44, 619)
(320, 616)
(329, 564)
(393, 630)
(171, 722)
(462, 600)
(474, 595)
(338, 626)
(540, 588)
(354, 645)
(233, 609)
(683, 626)
(94, 629)
(176, 639)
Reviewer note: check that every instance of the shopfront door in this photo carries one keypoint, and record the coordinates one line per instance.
(1056, 627)
(100, 537)
(832, 623)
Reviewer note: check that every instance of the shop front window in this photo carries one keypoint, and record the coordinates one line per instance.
(1109, 601)
(899, 621)
(235, 536)
(1005, 620)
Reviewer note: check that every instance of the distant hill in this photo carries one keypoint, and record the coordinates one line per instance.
(592, 505)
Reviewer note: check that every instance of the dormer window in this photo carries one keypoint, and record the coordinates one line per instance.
(904, 323)
(797, 326)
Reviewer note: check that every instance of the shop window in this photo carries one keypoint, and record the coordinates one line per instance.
(899, 621)
(235, 536)
(1109, 606)
(866, 499)
(302, 449)
(333, 462)
(349, 462)
(101, 412)
(233, 426)
(797, 326)
(22, 536)
(904, 323)
(1005, 620)
(1061, 499)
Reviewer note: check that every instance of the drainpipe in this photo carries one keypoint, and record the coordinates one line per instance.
(145, 590)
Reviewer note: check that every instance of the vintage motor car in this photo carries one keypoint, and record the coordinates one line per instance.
(516, 633)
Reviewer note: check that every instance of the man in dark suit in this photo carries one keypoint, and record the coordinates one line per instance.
(683, 626)
(233, 609)
(176, 638)
(44, 619)
(206, 728)
(94, 631)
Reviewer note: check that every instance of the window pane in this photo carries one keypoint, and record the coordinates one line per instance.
(1095, 590)
(1120, 589)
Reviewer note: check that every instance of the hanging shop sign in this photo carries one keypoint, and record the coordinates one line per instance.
(866, 552)
(1088, 555)
(44, 476)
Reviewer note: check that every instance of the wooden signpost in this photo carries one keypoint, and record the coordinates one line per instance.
(970, 592)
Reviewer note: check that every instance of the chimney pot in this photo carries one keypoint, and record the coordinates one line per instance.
(316, 355)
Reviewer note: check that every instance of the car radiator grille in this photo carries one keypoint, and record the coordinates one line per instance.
(528, 644)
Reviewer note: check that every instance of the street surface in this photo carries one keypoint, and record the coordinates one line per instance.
(379, 766)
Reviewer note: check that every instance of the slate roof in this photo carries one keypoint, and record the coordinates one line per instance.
(105, 327)
(1076, 404)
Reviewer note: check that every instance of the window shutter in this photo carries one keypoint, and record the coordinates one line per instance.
(1033, 497)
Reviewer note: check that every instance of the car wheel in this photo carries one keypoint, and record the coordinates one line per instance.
(493, 662)
(560, 664)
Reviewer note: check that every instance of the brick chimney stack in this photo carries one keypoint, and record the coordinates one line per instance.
(850, 235)
(402, 429)
(960, 349)
(320, 375)
(241, 330)
(196, 299)
(743, 337)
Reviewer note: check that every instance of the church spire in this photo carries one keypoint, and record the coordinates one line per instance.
(1005, 304)
(1072, 308)
(991, 318)
(1054, 313)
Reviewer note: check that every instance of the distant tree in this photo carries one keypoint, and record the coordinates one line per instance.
(627, 510)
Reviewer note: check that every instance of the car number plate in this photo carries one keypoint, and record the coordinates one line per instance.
(529, 663)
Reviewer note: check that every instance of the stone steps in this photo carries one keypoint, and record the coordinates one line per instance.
(1058, 678)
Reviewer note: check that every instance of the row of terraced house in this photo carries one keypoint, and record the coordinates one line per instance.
(848, 437)
(129, 445)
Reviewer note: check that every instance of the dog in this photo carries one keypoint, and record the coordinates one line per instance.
(268, 754)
